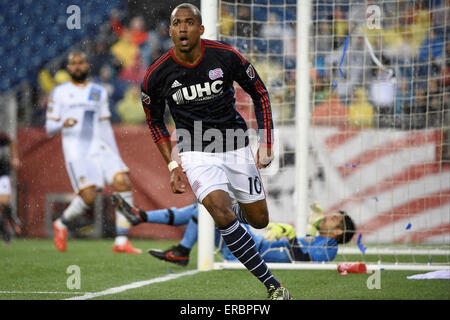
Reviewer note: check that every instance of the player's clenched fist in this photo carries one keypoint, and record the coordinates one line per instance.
(70, 122)
(177, 181)
(264, 156)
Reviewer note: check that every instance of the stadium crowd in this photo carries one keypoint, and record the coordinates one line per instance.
(412, 44)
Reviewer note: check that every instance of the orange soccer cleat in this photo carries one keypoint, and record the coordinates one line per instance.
(60, 237)
(126, 248)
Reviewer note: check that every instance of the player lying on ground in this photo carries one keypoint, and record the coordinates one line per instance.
(279, 244)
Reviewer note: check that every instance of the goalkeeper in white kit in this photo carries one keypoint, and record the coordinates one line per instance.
(279, 244)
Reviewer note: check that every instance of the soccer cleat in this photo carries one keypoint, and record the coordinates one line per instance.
(126, 248)
(280, 293)
(133, 215)
(59, 237)
(176, 254)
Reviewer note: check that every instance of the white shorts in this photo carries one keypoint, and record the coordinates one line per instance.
(234, 172)
(5, 186)
(96, 169)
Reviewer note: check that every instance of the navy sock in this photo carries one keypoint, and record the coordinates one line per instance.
(243, 247)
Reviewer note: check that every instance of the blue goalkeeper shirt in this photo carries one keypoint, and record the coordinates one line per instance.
(316, 248)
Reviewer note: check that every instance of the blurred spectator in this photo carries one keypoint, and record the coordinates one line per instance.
(47, 82)
(125, 50)
(340, 27)
(102, 56)
(403, 98)
(418, 112)
(418, 23)
(130, 107)
(432, 48)
(356, 66)
(274, 31)
(324, 39)
(134, 71)
(114, 87)
(445, 77)
(243, 21)
(382, 90)
(435, 100)
(136, 31)
(360, 111)
(226, 20)
(158, 41)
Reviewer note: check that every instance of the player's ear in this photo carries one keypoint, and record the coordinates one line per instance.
(202, 29)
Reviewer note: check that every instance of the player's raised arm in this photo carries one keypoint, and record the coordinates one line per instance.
(251, 82)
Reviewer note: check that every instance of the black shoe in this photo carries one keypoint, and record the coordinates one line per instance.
(177, 254)
(133, 215)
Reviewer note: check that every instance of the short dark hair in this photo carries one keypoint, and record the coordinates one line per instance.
(190, 6)
(348, 227)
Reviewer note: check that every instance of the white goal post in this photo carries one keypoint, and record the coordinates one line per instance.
(360, 104)
(210, 12)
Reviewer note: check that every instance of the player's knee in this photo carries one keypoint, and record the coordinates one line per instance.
(222, 216)
(260, 222)
(257, 214)
(4, 199)
(122, 182)
(89, 195)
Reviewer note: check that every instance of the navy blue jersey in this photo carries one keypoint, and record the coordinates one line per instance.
(4, 159)
(201, 99)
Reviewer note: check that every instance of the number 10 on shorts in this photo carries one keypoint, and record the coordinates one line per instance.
(254, 185)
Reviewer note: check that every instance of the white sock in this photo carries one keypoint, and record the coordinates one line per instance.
(60, 224)
(120, 240)
(122, 224)
(75, 209)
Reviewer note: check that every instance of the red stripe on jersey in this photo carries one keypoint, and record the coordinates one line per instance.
(218, 45)
(150, 126)
(153, 67)
(163, 139)
(263, 103)
(266, 110)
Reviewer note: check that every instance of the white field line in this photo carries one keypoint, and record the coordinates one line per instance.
(42, 292)
(133, 285)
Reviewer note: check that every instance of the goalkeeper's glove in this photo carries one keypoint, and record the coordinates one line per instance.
(279, 230)
(315, 219)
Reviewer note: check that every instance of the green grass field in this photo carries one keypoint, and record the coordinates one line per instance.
(35, 270)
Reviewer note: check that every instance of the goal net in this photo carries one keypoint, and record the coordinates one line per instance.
(376, 139)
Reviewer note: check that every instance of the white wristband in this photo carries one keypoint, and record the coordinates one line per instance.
(172, 165)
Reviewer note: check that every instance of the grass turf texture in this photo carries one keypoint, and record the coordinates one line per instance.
(29, 266)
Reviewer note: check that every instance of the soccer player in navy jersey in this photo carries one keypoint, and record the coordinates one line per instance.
(195, 79)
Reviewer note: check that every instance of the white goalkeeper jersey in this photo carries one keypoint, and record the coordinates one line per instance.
(87, 104)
